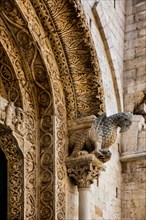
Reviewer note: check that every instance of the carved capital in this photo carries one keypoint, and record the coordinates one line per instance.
(83, 169)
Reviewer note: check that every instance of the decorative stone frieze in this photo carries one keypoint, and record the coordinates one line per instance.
(83, 169)
(14, 156)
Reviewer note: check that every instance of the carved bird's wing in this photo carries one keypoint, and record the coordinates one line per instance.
(95, 132)
(99, 120)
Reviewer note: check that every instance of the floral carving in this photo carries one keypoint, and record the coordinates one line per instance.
(19, 77)
(75, 39)
(84, 169)
(10, 92)
(51, 58)
(14, 156)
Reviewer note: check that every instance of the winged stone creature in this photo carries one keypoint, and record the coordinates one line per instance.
(100, 136)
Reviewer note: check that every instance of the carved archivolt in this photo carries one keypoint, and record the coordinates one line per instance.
(51, 52)
(8, 80)
(65, 27)
(14, 156)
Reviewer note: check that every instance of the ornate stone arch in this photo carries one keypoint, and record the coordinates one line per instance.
(55, 99)
(15, 160)
(13, 114)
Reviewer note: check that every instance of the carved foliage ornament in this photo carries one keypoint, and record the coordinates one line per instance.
(35, 66)
(84, 169)
(14, 157)
(8, 80)
(84, 70)
(72, 45)
(9, 16)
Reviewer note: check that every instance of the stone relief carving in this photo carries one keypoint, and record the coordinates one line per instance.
(53, 21)
(32, 58)
(12, 152)
(84, 169)
(17, 120)
(89, 145)
(8, 80)
(140, 105)
(69, 42)
(100, 136)
(26, 90)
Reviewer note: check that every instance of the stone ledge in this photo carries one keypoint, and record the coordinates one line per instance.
(133, 156)
(81, 123)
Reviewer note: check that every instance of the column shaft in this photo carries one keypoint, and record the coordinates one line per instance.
(84, 204)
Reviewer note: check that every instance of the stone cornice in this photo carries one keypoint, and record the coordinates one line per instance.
(133, 156)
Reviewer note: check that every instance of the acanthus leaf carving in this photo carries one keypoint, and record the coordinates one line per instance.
(84, 169)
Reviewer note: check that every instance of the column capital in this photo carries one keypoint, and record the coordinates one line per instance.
(83, 169)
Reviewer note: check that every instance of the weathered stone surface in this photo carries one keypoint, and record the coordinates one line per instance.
(135, 49)
(84, 169)
(52, 72)
(134, 191)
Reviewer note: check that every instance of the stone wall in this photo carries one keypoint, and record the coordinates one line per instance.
(106, 194)
(134, 190)
(108, 38)
(135, 54)
(134, 141)
(133, 154)
(107, 22)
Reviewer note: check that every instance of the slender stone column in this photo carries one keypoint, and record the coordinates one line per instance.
(82, 170)
(84, 203)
